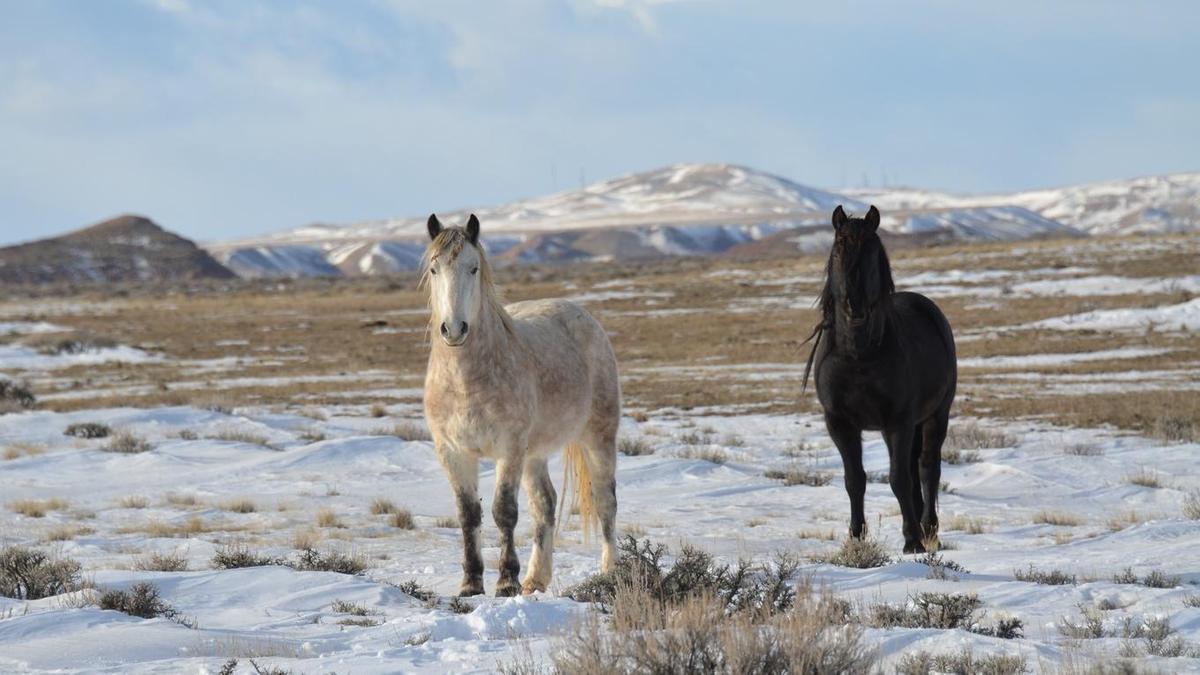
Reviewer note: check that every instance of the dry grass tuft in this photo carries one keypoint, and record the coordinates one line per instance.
(128, 443)
(965, 524)
(798, 475)
(133, 502)
(381, 506)
(20, 449)
(240, 505)
(449, 522)
(378, 410)
(704, 454)
(1060, 518)
(306, 538)
(34, 508)
(1144, 478)
(181, 499)
(327, 518)
(406, 431)
(402, 519)
(68, 532)
(234, 435)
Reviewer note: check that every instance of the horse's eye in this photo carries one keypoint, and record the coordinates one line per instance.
(474, 270)
(433, 270)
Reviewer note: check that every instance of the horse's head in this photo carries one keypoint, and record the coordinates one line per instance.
(859, 275)
(457, 277)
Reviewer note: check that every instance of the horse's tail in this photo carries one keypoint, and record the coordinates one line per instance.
(577, 479)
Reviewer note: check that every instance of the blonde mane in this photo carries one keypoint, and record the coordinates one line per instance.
(450, 243)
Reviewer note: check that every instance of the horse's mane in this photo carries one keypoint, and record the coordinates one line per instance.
(450, 243)
(827, 304)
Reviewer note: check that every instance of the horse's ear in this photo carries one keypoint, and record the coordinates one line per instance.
(873, 218)
(473, 229)
(434, 226)
(839, 217)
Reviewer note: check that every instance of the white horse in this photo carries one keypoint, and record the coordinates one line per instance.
(516, 384)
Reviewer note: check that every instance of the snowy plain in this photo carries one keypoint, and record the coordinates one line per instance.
(1090, 502)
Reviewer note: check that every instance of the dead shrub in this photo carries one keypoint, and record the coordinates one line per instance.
(742, 587)
(312, 560)
(29, 574)
(961, 663)
(414, 589)
(698, 634)
(634, 447)
(971, 436)
(378, 410)
(127, 442)
(1046, 577)
(238, 555)
(1176, 429)
(860, 553)
(142, 600)
(15, 396)
(88, 430)
(1191, 505)
(944, 611)
(161, 562)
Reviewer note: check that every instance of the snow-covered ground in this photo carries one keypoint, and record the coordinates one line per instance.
(729, 509)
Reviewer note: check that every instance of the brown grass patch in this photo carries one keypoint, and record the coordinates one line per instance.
(327, 518)
(34, 508)
(1059, 518)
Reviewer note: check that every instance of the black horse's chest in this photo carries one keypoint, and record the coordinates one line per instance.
(861, 392)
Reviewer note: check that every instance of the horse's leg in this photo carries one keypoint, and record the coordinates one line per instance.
(848, 440)
(914, 470)
(934, 434)
(899, 441)
(504, 512)
(540, 491)
(463, 470)
(600, 453)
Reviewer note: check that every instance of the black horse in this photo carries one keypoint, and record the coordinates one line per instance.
(883, 361)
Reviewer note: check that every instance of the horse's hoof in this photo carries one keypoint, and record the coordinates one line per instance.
(507, 590)
(468, 590)
(530, 587)
(914, 547)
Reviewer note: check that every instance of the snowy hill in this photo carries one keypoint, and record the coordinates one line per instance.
(1152, 204)
(706, 209)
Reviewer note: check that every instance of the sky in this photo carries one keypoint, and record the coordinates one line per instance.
(223, 119)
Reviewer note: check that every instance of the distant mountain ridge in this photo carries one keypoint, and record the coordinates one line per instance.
(125, 248)
(707, 209)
